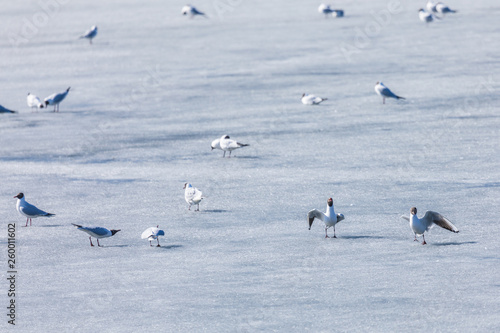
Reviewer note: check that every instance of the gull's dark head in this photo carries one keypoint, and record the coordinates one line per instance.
(185, 185)
(113, 232)
(413, 210)
(303, 95)
(19, 196)
(226, 137)
(330, 202)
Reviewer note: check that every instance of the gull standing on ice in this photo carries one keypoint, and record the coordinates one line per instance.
(151, 234)
(193, 196)
(55, 99)
(226, 144)
(96, 232)
(90, 34)
(33, 101)
(419, 226)
(192, 11)
(442, 9)
(383, 91)
(311, 99)
(329, 218)
(28, 210)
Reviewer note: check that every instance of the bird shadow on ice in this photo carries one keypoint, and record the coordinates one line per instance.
(169, 247)
(361, 237)
(453, 243)
(52, 225)
(116, 245)
(247, 157)
(214, 211)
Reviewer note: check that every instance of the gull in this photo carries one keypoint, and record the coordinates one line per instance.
(431, 7)
(28, 210)
(193, 196)
(192, 11)
(55, 99)
(152, 233)
(96, 232)
(442, 9)
(90, 34)
(329, 218)
(425, 16)
(311, 99)
(383, 91)
(33, 101)
(5, 110)
(226, 144)
(419, 226)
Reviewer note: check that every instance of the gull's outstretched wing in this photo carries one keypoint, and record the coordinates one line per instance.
(315, 214)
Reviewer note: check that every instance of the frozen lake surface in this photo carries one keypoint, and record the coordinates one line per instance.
(152, 92)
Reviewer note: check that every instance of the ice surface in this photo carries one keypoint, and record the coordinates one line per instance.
(153, 91)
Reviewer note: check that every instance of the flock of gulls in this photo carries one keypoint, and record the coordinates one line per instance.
(193, 196)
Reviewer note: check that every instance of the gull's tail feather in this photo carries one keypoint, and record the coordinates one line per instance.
(76, 225)
(399, 97)
(50, 215)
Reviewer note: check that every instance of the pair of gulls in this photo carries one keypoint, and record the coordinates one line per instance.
(150, 234)
(380, 89)
(54, 99)
(325, 9)
(226, 144)
(418, 225)
(432, 9)
(30, 212)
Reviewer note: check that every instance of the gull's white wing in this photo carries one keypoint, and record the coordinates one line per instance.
(197, 194)
(405, 217)
(431, 217)
(315, 214)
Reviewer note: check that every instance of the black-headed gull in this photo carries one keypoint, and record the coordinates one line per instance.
(308, 99)
(191, 11)
(55, 99)
(28, 210)
(33, 101)
(152, 233)
(5, 110)
(193, 196)
(226, 144)
(419, 226)
(329, 218)
(442, 9)
(90, 34)
(96, 232)
(383, 91)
